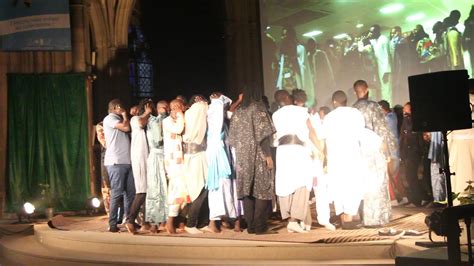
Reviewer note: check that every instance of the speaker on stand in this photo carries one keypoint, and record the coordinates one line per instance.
(440, 102)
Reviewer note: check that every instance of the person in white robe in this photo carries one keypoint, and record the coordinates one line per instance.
(380, 47)
(138, 156)
(195, 161)
(294, 179)
(293, 67)
(321, 181)
(219, 180)
(177, 196)
(342, 131)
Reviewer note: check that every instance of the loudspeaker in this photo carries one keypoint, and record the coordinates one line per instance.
(440, 101)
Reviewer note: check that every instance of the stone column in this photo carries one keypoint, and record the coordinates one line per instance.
(78, 35)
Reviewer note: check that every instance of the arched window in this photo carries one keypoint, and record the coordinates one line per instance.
(140, 66)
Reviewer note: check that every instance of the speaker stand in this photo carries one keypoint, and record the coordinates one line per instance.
(447, 170)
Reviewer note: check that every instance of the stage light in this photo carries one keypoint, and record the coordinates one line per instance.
(95, 203)
(415, 17)
(26, 211)
(392, 8)
(360, 25)
(312, 33)
(341, 36)
(28, 208)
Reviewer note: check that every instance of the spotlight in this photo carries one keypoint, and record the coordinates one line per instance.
(26, 211)
(29, 208)
(95, 203)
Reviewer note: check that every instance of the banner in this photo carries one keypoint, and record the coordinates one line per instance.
(34, 25)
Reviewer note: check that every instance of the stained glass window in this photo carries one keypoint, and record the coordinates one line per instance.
(140, 65)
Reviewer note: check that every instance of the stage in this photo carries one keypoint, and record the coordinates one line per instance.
(85, 240)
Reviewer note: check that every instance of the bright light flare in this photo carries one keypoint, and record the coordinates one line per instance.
(391, 8)
(415, 17)
(341, 36)
(29, 208)
(312, 33)
(95, 203)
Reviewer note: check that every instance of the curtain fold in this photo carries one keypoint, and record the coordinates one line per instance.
(47, 140)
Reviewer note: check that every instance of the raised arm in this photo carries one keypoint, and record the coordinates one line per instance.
(178, 126)
(124, 125)
(143, 119)
(236, 104)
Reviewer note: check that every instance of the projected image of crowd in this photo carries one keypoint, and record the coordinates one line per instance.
(213, 163)
(384, 60)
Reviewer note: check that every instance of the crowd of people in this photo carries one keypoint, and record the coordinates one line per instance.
(199, 165)
(384, 61)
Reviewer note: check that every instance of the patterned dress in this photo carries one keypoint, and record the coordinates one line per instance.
(375, 121)
(250, 126)
(173, 146)
(156, 207)
(377, 208)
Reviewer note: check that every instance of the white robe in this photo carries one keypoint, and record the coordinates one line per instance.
(384, 66)
(195, 165)
(293, 161)
(178, 195)
(381, 51)
(139, 155)
(323, 184)
(342, 131)
(305, 81)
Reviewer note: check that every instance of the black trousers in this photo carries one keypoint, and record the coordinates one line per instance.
(414, 190)
(256, 213)
(195, 209)
(137, 203)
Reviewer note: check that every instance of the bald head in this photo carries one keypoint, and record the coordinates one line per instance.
(115, 105)
(282, 98)
(361, 89)
(299, 97)
(339, 98)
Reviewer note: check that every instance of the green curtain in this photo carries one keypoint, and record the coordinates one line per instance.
(47, 140)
